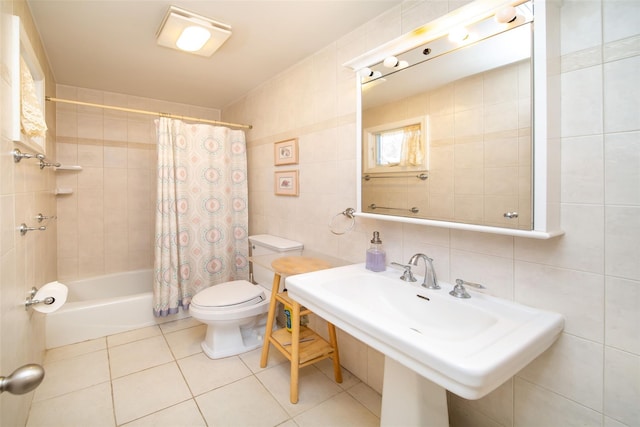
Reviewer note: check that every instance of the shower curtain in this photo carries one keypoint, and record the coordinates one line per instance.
(201, 211)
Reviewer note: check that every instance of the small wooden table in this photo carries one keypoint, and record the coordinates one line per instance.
(302, 346)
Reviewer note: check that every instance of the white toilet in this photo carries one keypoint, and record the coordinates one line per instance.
(236, 312)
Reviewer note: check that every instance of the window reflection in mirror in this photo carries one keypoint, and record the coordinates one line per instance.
(396, 147)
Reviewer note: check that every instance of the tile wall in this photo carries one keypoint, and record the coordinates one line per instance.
(106, 224)
(591, 275)
(25, 191)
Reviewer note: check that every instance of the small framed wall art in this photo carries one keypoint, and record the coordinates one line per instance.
(286, 152)
(286, 183)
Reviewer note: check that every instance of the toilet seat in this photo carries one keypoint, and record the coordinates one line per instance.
(229, 296)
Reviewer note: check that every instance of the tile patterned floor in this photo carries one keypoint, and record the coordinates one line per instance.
(159, 376)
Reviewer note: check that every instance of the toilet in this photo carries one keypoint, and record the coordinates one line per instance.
(236, 312)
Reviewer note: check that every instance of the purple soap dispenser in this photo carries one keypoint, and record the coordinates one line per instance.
(376, 257)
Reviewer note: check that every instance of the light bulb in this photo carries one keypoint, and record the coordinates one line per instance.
(506, 15)
(391, 62)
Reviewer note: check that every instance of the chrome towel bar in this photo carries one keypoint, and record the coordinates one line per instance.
(412, 210)
(420, 176)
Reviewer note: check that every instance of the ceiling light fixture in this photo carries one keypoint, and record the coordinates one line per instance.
(193, 38)
(189, 32)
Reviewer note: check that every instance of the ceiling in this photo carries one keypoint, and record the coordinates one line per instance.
(110, 45)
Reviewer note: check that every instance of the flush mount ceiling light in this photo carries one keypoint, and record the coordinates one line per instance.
(189, 32)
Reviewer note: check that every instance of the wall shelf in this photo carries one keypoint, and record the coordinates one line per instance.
(68, 168)
(62, 191)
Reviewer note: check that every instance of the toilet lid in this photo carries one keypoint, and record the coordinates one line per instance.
(229, 295)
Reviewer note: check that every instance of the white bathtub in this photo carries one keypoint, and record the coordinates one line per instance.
(104, 305)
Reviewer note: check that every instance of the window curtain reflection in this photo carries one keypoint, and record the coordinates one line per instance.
(412, 149)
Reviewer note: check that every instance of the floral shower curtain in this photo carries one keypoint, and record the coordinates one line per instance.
(201, 212)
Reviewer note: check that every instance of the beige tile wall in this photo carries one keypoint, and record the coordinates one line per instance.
(591, 275)
(25, 191)
(107, 223)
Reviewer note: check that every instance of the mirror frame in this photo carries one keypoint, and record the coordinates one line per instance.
(546, 110)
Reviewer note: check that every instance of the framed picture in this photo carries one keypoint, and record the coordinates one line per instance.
(286, 183)
(286, 152)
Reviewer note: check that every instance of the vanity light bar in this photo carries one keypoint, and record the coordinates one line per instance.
(452, 39)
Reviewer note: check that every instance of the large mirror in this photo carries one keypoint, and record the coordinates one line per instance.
(447, 126)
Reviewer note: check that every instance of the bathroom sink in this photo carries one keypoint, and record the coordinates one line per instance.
(468, 346)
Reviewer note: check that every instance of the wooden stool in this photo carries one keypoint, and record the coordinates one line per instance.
(302, 346)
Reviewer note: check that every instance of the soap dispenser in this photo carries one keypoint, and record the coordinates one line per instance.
(376, 257)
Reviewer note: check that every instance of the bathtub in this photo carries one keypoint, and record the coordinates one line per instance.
(104, 305)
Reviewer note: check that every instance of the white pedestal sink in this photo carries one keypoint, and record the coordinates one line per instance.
(431, 340)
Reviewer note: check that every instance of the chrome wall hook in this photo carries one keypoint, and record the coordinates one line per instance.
(24, 229)
(41, 217)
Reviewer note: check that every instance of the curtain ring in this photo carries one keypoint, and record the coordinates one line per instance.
(349, 214)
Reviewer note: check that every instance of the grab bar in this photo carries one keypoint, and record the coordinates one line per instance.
(413, 209)
(420, 176)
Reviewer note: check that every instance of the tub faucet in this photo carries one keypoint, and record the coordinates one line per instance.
(430, 280)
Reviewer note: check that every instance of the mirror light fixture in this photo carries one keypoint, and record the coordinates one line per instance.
(459, 35)
(393, 62)
(189, 32)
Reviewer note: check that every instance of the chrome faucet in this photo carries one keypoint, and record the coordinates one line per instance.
(430, 280)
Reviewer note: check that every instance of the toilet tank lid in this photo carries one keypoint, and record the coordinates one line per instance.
(275, 243)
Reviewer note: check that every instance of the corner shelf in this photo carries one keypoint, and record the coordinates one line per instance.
(62, 191)
(68, 168)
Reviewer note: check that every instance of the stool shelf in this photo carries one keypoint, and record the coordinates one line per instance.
(313, 347)
(301, 346)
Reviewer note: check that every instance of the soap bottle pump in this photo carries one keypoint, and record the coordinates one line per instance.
(376, 257)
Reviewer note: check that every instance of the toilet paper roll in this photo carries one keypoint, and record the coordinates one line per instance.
(55, 290)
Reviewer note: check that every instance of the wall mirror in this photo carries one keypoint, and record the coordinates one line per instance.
(450, 134)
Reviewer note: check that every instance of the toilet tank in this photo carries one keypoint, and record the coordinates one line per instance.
(265, 244)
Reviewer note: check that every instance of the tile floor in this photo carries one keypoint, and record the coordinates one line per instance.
(159, 376)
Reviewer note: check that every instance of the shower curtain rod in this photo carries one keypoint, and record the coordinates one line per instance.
(149, 113)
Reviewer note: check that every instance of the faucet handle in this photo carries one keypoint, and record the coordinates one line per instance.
(460, 292)
(407, 275)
